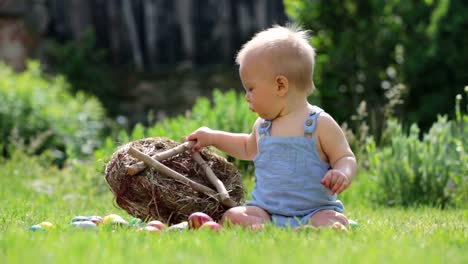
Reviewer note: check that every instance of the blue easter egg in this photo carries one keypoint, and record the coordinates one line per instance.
(35, 228)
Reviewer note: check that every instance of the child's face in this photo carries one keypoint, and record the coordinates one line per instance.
(259, 84)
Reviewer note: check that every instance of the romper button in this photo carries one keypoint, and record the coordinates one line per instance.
(309, 122)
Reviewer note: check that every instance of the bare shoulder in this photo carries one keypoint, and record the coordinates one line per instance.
(331, 138)
(327, 131)
(325, 122)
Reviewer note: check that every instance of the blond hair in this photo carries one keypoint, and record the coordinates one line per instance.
(288, 49)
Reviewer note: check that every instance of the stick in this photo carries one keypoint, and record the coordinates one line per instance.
(140, 166)
(173, 174)
(224, 195)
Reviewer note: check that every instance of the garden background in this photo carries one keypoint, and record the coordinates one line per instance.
(81, 78)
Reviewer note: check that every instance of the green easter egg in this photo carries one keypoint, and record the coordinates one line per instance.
(353, 223)
(136, 222)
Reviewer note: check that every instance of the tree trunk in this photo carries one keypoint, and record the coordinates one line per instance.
(133, 34)
(149, 7)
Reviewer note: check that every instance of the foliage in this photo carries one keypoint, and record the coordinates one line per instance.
(413, 171)
(362, 123)
(39, 114)
(364, 48)
(84, 66)
(227, 111)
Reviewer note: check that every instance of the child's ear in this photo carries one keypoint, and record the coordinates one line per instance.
(282, 85)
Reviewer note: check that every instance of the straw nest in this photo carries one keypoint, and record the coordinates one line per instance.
(153, 195)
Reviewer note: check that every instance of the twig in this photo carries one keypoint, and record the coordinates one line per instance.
(173, 174)
(140, 166)
(224, 195)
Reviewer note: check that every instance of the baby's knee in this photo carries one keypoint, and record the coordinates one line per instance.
(232, 216)
(245, 216)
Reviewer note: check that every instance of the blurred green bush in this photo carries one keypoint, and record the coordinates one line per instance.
(39, 114)
(364, 48)
(433, 170)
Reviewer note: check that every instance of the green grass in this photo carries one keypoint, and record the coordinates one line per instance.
(31, 194)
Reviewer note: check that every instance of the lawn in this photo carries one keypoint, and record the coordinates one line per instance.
(32, 193)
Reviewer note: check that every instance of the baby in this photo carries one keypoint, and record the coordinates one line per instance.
(301, 156)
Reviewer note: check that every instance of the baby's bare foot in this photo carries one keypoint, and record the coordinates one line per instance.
(257, 227)
(339, 227)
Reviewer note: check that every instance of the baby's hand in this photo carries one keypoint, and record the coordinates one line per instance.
(202, 136)
(336, 181)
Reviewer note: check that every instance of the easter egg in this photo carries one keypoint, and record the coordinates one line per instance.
(136, 222)
(158, 224)
(179, 227)
(149, 229)
(35, 228)
(120, 222)
(95, 219)
(85, 225)
(353, 223)
(46, 225)
(211, 225)
(110, 218)
(197, 219)
(79, 218)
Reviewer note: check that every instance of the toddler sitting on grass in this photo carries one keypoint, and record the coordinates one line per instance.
(301, 156)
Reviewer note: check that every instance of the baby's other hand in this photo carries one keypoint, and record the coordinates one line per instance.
(336, 181)
(202, 136)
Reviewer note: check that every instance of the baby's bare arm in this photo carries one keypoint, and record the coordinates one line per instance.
(339, 154)
(239, 145)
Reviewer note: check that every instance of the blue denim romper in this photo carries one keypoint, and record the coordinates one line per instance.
(288, 171)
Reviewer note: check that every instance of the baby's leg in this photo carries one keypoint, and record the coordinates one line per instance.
(249, 216)
(331, 218)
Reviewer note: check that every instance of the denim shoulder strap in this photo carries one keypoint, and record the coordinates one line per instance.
(311, 122)
(264, 128)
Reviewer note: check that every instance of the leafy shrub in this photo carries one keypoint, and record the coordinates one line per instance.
(366, 124)
(412, 171)
(227, 111)
(38, 114)
(351, 68)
